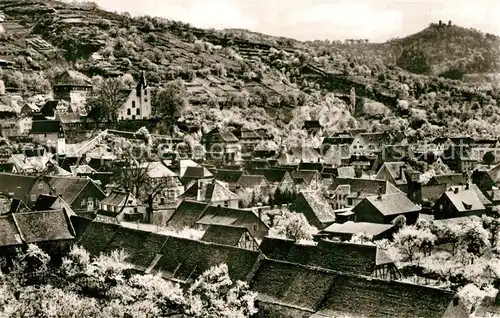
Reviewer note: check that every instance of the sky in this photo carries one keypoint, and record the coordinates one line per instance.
(376, 20)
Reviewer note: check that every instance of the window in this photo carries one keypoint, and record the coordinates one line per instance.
(33, 197)
(138, 111)
(135, 210)
(40, 186)
(349, 201)
(440, 207)
(84, 202)
(226, 204)
(133, 104)
(255, 228)
(145, 92)
(128, 111)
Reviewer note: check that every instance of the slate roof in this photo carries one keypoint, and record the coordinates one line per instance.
(391, 204)
(224, 234)
(43, 226)
(377, 139)
(350, 227)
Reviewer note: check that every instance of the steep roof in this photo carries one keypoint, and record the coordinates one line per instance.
(448, 179)
(431, 193)
(333, 293)
(70, 77)
(9, 234)
(186, 214)
(365, 186)
(116, 198)
(316, 203)
(43, 226)
(197, 173)
(71, 187)
(228, 216)
(209, 192)
(392, 204)
(183, 259)
(44, 202)
(224, 234)
(96, 236)
(45, 126)
(465, 200)
(271, 175)
(251, 181)
(18, 185)
(396, 170)
(350, 227)
(307, 175)
(157, 169)
(229, 176)
(345, 257)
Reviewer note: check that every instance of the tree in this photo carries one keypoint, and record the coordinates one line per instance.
(108, 98)
(213, 294)
(170, 100)
(292, 225)
(474, 239)
(410, 238)
(104, 287)
(489, 158)
(399, 222)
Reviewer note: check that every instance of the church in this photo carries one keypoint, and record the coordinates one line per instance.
(138, 102)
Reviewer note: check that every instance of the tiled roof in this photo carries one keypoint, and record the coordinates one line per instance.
(224, 234)
(271, 175)
(317, 204)
(9, 234)
(391, 204)
(336, 294)
(463, 199)
(186, 259)
(350, 227)
(186, 214)
(43, 226)
(115, 198)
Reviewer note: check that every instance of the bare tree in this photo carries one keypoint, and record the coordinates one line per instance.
(107, 100)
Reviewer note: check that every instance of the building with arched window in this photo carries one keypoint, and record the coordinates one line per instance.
(138, 103)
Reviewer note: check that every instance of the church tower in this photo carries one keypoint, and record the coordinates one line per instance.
(61, 141)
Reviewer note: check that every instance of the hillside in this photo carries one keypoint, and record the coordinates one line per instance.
(260, 81)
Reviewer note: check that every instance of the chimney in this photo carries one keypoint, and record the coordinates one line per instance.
(449, 23)
(455, 190)
(259, 211)
(440, 23)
